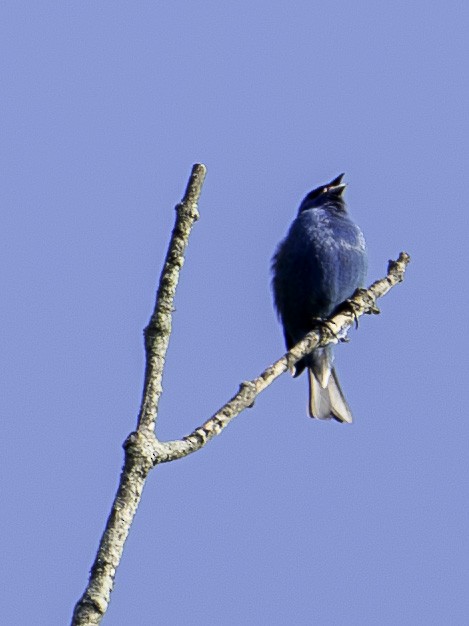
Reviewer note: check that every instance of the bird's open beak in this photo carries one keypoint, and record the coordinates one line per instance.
(337, 181)
(336, 186)
(337, 189)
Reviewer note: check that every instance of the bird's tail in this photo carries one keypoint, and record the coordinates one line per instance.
(326, 398)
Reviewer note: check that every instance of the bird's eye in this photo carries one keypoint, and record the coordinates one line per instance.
(325, 189)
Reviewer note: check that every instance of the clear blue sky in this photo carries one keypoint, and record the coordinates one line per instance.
(280, 520)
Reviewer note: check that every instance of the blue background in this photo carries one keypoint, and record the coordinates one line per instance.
(280, 520)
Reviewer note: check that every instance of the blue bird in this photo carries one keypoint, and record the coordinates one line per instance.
(319, 264)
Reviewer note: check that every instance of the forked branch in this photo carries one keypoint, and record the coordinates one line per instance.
(143, 450)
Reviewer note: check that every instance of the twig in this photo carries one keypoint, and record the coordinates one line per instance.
(363, 302)
(139, 459)
(158, 331)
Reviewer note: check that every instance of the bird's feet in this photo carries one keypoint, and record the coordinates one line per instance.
(328, 324)
(352, 307)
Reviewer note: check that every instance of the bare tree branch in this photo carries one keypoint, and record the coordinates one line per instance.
(140, 459)
(158, 331)
(142, 448)
(334, 330)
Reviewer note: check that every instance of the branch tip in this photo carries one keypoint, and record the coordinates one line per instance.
(399, 265)
(193, 189)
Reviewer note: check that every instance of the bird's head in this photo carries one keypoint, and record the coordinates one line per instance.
(326, 196)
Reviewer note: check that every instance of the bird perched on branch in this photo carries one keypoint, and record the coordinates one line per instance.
(319, 264)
